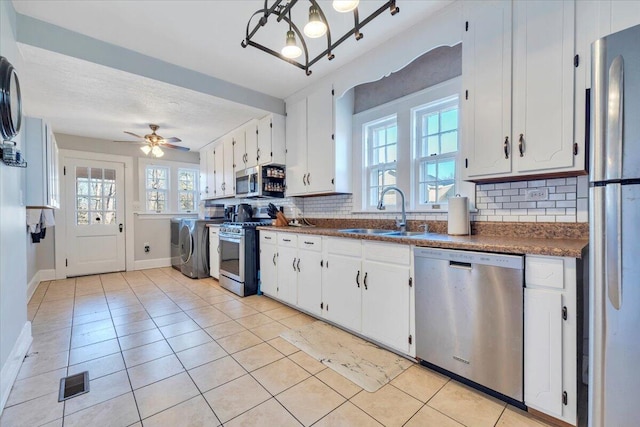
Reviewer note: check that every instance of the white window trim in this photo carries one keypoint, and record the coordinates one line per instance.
(172, 194)
(402, 107)
(195, 191)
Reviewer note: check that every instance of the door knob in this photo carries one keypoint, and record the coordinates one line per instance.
(121, 227)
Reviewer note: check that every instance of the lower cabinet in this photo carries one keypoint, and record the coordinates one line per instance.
(268, 263)
(362, 286)
(552, 317)
(214, 252)
(342, 282)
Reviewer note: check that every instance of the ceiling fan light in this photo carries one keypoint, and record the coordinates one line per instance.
(146, 149)
(291, 49)
(344, 6)
(157, 151)
(315, 27)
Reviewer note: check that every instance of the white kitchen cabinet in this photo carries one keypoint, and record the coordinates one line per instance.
(551, 319)
(386, 290)
(268, 263)
(309, 266)
(287, 289)
(214, 251)
(42, 173)
(486, 76)
(207, 174)
(536, 125)
(238, 141)
(316, 161)
(224, 179)
(271, 140)
(251, 144)
(342, 281)
(296, 153)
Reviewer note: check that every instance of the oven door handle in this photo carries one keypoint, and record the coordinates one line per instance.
(231, 239)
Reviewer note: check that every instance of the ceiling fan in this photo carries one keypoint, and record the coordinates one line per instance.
(153, 142)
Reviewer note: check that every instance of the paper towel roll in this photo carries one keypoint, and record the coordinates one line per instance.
(459, 216)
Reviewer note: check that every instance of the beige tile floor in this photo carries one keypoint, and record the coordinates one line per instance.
(164, 350)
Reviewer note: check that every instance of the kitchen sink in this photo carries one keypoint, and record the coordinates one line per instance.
(366, 231)
(407, 234)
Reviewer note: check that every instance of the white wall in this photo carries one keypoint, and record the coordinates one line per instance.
(146, 229)
(13, 251)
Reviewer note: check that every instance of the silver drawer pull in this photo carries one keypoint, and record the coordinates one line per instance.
(267, 238)
(286, 240)
(461, 265)
(308, 243)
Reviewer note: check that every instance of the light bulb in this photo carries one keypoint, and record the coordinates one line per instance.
(315, 27)
(157, 151)
(146, 149)
(344, 6)
(291, 49)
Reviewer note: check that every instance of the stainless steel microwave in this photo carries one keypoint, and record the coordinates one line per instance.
(261, 181)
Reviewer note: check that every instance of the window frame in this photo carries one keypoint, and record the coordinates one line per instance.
(172, 204)
(194, 192)
(369, 166)
(407, 174)
(148, 189)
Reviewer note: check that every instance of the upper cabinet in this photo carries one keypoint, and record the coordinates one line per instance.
(316, 158)
(207, 174)
(518, 78)
(42, 173)
(271, 140)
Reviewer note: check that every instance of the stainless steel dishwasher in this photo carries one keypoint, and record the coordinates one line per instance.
(469, 316)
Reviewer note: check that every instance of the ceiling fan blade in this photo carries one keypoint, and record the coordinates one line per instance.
(133, 134)
(172, 139)
(133, 142)
(176, 147)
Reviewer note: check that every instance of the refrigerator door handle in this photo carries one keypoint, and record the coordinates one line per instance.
(613, 244)
(615, 118)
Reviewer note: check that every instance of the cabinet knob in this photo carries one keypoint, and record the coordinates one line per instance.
(358, 278)
(365, 280)
(298, 265)
(294, 264)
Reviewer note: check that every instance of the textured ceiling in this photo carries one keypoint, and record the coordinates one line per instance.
(82, 98)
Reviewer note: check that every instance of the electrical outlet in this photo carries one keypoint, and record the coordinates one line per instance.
(147, 248)
(536, 194)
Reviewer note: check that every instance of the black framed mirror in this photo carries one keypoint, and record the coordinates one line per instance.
(10, 100)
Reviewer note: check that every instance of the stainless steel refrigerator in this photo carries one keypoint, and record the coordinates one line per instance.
(614, 216)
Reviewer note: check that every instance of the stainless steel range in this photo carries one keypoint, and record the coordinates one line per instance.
(239, 260)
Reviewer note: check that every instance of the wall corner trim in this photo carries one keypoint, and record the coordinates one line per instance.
(12, 366)
(40, 276)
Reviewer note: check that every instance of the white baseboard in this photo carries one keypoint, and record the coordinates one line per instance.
(40, 276)
(152, 263)
(14, 362)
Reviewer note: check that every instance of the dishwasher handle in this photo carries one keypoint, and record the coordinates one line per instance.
(460, 265)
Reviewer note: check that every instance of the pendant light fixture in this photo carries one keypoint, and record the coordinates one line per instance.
(146, 149)
(157, 151)
(344, 6)
(317, 26)
(291, 49)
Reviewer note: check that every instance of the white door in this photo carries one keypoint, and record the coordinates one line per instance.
(95, 217)
(385, 303)
(269, 269)
(309, 281)
(251, 144)
(341, 293)
(296, 140)
(288, 275)
(218, 170)
(320, 145)
(210, 176)
(229, 174)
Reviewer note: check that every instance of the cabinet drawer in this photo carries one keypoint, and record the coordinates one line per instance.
(340, 246)
(387, 252)
(544, 271)
(311, 243)
(268, 237)
(287, 240)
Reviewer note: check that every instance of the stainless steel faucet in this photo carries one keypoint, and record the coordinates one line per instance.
(402, 224)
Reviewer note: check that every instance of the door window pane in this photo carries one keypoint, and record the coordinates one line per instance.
(95, 194)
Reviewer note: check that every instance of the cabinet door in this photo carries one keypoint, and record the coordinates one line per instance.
(296, 157)
(54, 173)
(486, 65)
(320, 144)
(239, 149)
(264, 140)
(214, 252)
(543, 350)
(287, 274)
(310, 281)
(228, 173)
(385, 304)
(203, 175)
(219, 165)
(251, 144)
(341, 291)
(210, 181)
(269, 270)
(543, 84)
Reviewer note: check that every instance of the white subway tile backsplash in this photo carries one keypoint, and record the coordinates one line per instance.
(566, 189)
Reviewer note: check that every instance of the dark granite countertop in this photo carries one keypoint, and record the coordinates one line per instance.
(565, 247)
